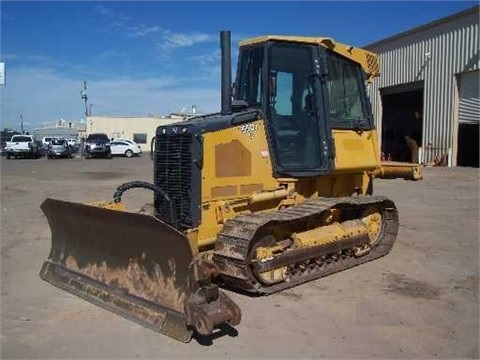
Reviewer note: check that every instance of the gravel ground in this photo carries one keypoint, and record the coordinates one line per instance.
(420, 301)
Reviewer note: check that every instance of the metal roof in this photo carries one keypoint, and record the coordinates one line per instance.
(424, 27)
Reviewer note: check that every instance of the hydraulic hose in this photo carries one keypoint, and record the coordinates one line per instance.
(117, 196)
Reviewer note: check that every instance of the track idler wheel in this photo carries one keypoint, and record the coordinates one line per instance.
(264, 250)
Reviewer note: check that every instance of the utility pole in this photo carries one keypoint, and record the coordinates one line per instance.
(21, 124)
(84, 97)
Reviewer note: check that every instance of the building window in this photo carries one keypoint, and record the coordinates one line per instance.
(140, 138)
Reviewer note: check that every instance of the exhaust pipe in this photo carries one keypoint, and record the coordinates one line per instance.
(225, 45)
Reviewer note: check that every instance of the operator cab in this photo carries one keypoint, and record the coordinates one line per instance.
(305, 91)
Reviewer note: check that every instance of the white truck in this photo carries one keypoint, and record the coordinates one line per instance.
(22, 146)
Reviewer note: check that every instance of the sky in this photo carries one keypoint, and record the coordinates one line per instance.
(158, 57)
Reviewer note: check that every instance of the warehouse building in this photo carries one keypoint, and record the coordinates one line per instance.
(429, 89)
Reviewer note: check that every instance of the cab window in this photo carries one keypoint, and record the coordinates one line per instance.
(249, 87)
(345, 89)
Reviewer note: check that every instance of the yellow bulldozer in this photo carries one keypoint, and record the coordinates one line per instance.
(273, 191)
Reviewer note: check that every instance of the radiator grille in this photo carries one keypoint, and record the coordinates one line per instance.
(173, 174)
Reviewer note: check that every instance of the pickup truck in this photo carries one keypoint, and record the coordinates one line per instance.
(22, 146)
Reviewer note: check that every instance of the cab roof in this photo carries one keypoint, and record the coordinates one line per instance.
(368, 60)
(301, 39)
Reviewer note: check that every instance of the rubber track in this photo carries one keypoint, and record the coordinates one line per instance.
(234, 241)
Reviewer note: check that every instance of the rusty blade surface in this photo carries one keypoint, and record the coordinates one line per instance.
(131, 264)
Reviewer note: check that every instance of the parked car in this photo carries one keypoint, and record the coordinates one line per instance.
(97, 145)
(74, 145)
(59, 148)
(129, 141)
(124, 148)
(46, 140)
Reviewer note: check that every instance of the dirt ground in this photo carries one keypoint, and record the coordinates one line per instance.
(420, 301)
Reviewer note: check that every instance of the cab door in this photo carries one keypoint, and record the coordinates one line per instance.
(300, 134)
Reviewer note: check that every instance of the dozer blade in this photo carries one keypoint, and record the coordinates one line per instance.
(133, 265)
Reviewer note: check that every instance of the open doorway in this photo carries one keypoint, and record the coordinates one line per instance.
(468, 145)
(402, 115)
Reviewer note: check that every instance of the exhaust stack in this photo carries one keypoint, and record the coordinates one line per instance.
(226, 85)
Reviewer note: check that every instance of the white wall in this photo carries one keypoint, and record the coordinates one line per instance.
(126, 127)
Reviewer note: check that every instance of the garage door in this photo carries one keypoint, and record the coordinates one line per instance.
(469, 104)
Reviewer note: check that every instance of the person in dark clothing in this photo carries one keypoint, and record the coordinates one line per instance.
(413, 146)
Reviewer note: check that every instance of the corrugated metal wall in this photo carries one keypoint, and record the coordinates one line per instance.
(434, 53)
